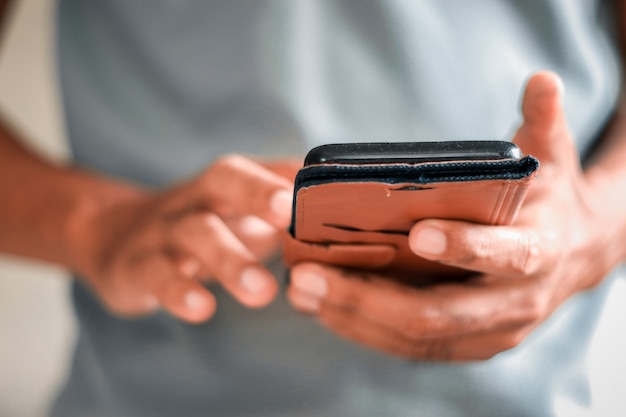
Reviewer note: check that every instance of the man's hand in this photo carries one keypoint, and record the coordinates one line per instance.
(151, 250)
(561, 243)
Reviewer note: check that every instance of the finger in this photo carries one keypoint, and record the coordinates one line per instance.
(437, 311)
(186, 299)
(261, 238)
(502, 250)
(287, 167)
(544, 132)
(472, 347)
(246, 186)
(205, 237)
(190, 267)
(125, 302)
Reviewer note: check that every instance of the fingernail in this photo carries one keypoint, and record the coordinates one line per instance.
(254, 226)
(310, 283)
(280, 204)
(194, 300)
(429, 240)
(253, 280)
(304, 301)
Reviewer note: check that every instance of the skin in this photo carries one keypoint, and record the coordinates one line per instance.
(140, 249)
(566, 238)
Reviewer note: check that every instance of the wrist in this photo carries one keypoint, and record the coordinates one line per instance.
(609, 220)
(604, 230)
(96, 220)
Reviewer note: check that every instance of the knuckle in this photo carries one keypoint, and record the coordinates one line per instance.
(503, 343)
(465, 322)
(345, 289)
(486, 355)
(180, 224)
(196, 226)
(528, 255)
(510, 340)
(224, 167)
(438, 351)
(469, 250)
(514, 339)
(339, 321)
(534, 309)
(227, 162)
(207, 221)
(253, 188)
(533, 306)
(413, 328)
(351, 300)
(472, 247)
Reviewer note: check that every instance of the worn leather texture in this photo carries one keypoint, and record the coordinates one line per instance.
(360, 216)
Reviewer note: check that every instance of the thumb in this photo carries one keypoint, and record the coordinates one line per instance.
(544, 133)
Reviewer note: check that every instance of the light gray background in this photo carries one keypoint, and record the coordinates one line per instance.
(36, 326)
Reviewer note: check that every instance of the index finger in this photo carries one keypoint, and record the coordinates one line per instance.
(437, 311)
(245, 186)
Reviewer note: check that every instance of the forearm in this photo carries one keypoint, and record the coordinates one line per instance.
(47, 210)
(606, 176)
(606, 173)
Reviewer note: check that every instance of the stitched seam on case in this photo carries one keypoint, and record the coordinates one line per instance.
(300, 212)
(419, 173)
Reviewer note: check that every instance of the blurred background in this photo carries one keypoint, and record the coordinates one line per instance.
(36, 327)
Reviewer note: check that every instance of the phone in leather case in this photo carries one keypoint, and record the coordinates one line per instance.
(354, 204)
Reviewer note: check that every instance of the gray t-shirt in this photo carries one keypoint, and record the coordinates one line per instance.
(155, 90)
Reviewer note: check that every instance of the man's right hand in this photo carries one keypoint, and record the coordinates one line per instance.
(155, 249)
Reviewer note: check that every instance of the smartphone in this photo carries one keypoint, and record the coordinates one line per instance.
(354, 203)
(411, 152)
